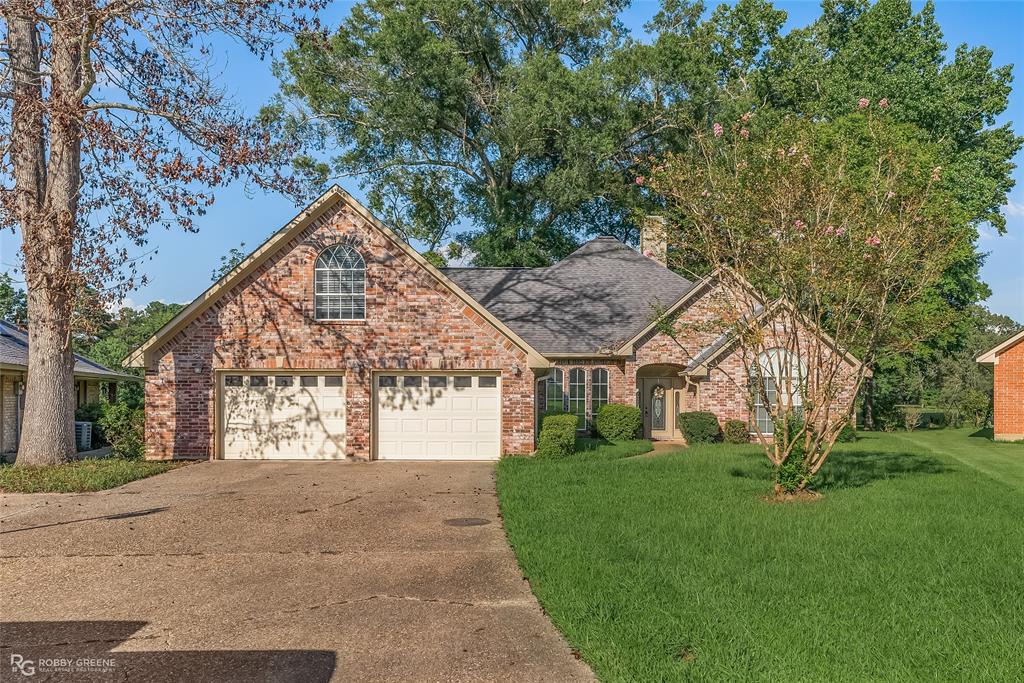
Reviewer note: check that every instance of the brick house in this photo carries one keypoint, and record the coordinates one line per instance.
(1007, 360)
(89, 377)
(336, 339)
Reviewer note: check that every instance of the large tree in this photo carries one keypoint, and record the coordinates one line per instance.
(115, 123)
(885, 50)
(525, 123)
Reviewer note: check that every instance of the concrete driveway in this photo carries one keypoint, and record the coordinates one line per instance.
(274, 571)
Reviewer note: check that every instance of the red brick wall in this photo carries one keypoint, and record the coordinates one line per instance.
(1009, 394)
(725, 391)
(266, 321)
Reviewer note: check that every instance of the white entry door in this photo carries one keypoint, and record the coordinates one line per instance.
(438, 416)
(282, 416)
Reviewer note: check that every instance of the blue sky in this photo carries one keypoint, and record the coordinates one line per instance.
(180, 264)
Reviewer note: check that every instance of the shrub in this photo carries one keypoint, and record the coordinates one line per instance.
(618, 421)
(736, 431)
(123, 428)
(911, 417)
(557, 434)
(93, 412)
(847, 434)
(699, 427)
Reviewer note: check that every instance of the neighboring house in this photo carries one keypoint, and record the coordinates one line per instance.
(1007, 360)
(336, 338)
(13, 368)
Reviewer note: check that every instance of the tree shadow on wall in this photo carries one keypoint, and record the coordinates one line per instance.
(843, 469)
(38, 649)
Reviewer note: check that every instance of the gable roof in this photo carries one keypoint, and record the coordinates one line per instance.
(992, 355)
(330, 198)
(14, 356)
(587, 303)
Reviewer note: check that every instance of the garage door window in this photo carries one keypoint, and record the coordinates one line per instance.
(284, 381)
(412, 381)
(233, 381)
(308, 381)
(387, 381)
(332, 381)
(437, 382)
(258, 381)
(463, 382)
(487, 382)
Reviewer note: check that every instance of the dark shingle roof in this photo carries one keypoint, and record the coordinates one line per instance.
(594, 299)
(14, 351)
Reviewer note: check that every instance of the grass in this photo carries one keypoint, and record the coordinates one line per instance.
(998, 459)
(674, 568)
(78, 476)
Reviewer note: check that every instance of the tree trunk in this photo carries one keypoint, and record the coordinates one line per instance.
(869, 406)
(48, 191)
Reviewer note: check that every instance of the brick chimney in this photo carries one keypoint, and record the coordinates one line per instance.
(653, 241)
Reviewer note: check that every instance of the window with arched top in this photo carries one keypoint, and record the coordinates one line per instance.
(598, 390)
(339, 282)
(553, 394)
(578, 396)
(776, 377)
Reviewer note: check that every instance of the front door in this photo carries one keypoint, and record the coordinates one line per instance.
(663, 400)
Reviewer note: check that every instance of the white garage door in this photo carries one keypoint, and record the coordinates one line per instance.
(438, 416)
(286, 416)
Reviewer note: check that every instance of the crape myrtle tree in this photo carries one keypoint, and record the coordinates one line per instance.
(828, 236)
(113, 122)
(520, 123)
(857, 48)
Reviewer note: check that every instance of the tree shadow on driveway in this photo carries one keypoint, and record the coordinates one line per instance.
(81, 651)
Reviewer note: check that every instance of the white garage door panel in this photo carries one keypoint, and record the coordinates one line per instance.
(282, 422)
(438, 422)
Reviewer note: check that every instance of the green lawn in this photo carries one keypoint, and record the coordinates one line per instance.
(673, 567)
(76, 477)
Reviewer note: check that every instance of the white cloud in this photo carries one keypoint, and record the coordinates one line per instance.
(128, 302)
(1013, 209)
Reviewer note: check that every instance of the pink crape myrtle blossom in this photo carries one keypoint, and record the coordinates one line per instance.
(873, 241)
(883, 103)
(744, 133)
(840, 231)
(863, 103)
(705, 194)
(829, 230)
(718, 130)
(936, 172)
(799, 224)
(639, 180)
(746, 117)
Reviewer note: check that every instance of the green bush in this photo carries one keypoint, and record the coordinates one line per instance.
(736, 431)
(847, 434)
(557, 435)
(123, 429)
(699, 427)
(618, 421)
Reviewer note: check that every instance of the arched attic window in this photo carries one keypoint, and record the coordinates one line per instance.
(781, 374)
(339, 284)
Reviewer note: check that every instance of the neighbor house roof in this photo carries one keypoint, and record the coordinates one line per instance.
(992, 355)
(14, 356)
(589, 302)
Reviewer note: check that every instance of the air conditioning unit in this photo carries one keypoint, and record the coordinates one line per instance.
(83, 436)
